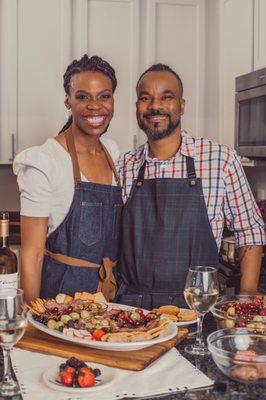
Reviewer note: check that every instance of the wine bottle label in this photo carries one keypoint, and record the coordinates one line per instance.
(9, 281)
(4, 228)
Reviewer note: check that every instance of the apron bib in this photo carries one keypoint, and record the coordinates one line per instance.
(165, 230)
(80, 254)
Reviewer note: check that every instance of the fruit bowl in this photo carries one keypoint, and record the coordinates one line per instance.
(242, 311)
(239, 354)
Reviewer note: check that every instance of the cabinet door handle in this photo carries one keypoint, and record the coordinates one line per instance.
(262, 76)
(13, 153)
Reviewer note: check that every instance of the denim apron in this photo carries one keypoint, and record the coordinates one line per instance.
(80, 254)
(165, 229)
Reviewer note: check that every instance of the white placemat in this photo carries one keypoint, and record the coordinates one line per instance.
(169, 373)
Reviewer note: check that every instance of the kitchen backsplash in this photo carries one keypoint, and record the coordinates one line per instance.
(256, 178)
(9, 194)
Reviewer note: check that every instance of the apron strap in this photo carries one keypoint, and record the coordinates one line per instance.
(140, 178)
(111, 164)
(73, 154)
(107, 281)
(191, 172)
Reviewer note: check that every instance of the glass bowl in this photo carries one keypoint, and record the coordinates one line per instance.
(242, 311)
(239, 354)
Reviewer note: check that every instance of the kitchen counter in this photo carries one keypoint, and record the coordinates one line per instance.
(225, 388)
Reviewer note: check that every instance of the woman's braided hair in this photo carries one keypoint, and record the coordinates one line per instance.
(86, 63)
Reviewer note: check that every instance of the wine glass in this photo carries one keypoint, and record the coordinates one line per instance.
(201, 292)
(12, 326)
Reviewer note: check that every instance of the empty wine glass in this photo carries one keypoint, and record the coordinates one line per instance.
(12, 326)
(201, 292)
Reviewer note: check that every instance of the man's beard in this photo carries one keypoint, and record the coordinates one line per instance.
(154, 133)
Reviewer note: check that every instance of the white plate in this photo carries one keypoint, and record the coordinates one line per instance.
(170, 332)
(107, 378)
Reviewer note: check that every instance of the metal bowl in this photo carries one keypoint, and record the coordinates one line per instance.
(239, 354)
(253, 320)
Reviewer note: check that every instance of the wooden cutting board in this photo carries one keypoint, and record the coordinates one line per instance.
(137, 360)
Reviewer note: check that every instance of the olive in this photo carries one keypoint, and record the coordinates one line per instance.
(69, 309)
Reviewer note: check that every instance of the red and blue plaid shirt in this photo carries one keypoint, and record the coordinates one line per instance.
(227, 194)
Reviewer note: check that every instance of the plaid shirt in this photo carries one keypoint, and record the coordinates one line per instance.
(226, 191)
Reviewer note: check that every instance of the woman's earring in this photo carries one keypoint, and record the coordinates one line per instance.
(68, 113)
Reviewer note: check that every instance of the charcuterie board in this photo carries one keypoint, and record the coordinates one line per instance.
(35, 340)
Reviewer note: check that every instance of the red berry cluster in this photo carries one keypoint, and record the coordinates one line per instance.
(245, 311)
(132, 319)
(77, 374)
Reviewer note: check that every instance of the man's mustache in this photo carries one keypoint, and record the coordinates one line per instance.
(155, 113)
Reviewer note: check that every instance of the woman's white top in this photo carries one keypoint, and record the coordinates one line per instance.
(46, 182)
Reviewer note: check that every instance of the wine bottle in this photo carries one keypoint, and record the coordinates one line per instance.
(8, 259)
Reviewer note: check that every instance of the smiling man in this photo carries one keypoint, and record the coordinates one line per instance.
(178, 191)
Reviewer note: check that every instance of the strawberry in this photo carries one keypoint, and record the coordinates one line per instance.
(86, 377)
(66, 378)
(98, 333)
(69, 369)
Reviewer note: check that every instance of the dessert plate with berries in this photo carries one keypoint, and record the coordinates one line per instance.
(75, 376)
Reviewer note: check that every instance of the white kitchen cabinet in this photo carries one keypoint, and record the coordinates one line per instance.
(39, 39)
(259, 34)
(229, 50)
(36, 50)
(236, 33)
(174, 34)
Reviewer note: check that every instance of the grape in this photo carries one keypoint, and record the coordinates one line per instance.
(96, 372)
(70, 324)
(40, 318)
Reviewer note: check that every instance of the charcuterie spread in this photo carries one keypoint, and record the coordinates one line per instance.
(89, 317)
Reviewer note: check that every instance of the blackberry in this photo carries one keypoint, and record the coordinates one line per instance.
(61, 328)
(96, 372)
(75, 363)
(62, 367)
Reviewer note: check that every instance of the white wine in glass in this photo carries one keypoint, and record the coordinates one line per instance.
(12, 327)
(201, 293)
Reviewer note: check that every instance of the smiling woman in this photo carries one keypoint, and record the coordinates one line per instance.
(70, 188)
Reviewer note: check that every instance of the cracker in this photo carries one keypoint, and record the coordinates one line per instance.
(100, 297)
(169, 309)
(187, 315)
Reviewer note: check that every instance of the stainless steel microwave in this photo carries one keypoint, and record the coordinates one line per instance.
(250, 114)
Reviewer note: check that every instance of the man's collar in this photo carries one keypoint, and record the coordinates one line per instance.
(187, 148)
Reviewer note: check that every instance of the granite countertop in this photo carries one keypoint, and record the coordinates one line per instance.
(226, 389)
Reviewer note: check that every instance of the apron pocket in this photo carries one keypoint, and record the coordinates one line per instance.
(90, 225)
(116, 220)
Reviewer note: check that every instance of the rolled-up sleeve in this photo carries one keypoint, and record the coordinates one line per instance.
(242, 214)
(33, 170)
